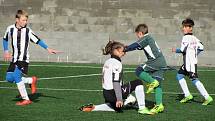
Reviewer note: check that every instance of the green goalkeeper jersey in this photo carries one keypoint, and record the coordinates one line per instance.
(153, 53)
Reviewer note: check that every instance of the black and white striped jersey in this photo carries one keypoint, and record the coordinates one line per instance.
(112, 72)
(20, 42)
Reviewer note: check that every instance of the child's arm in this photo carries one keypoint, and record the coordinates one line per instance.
(133, 46)
(117, 87)
(42, 44)
(7, 55)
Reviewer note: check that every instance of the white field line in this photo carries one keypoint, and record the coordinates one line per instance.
(64, 66)
(87, 90)
(65, 77)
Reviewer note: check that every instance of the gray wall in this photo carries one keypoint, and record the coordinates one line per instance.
(81, 27)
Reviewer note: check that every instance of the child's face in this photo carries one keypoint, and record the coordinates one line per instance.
(119, 52)
(139, 34)
(22, 21)
(187, 29)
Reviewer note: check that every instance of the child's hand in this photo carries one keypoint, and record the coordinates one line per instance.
(173, 49)
(53, 51)
(119, 104)
(7, 56)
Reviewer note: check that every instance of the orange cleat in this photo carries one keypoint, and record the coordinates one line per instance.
(24, 102)
(34, 85)
(87, 108)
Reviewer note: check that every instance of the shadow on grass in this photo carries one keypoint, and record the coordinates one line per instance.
(181, 96)
(35, 97)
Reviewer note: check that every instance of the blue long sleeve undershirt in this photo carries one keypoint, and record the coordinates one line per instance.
(5, 45)
(133, 46)
(42, 44)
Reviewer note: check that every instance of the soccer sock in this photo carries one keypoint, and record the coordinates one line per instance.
(146, 77)
(184, 87)
(22, 90)
(103, 107)
(27, 80)
(201, 89)
(158, 95)
(139, 92)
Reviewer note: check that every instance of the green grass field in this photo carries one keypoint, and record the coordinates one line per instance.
(63, 88)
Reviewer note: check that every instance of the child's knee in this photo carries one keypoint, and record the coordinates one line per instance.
(9, 77)
(138, 71)
(179, 76)
(194, 81)
(17, 74)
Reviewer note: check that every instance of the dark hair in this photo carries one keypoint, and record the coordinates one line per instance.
(20, 13)
(142, 28)
(188, 22)
(111, 45)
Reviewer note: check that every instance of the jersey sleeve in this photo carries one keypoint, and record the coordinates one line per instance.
(5, 37)
(116, 82)
(184, 44)
(33, 38)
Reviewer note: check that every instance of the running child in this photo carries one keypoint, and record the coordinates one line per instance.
(190, 47)
(20, 35)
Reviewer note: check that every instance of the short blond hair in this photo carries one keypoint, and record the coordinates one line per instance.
(20, 13)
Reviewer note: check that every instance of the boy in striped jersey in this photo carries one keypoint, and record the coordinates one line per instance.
(20, 35)
(190, 48)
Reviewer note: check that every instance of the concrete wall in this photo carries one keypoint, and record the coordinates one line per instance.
(81, 27)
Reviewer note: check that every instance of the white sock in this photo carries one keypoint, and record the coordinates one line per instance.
(103, 107)
(27, 80)
(202, 89)
(184, 87)
(139, 92)
(22, 90)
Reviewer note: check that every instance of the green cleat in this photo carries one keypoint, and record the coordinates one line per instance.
(157, 109)
(186, 99)
(152, 86)
(209, 100)
(145, 111)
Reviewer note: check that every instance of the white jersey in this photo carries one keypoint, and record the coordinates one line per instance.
(20, 41)
(189, 47)
(112, 72)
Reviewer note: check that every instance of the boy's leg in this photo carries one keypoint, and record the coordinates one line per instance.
(142, 73)
(183, 84)
(21, 68)
(32, 81)
(203, 92)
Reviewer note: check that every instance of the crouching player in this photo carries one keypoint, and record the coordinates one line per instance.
(20, 36)
(190, 47)
(114, 91)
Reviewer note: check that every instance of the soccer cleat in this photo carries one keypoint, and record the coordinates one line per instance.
(34, 85)
(157, 109)
(209, 100)
(24, 102)
(152, 85)
(186, 99)
(130, 100)
(87, 108)
(145, 111)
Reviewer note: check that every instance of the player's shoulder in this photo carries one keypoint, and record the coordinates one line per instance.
(11, 26)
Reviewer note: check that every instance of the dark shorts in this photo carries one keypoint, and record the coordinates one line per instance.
(155, 72)
(23, 66)
(191, 75)
(128, 88)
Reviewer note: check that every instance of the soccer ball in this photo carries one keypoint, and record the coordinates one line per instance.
(130, 100)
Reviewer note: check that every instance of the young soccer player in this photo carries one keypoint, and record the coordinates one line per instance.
(20, 35)
(114, 91)
(190, 47)
(152, 71)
